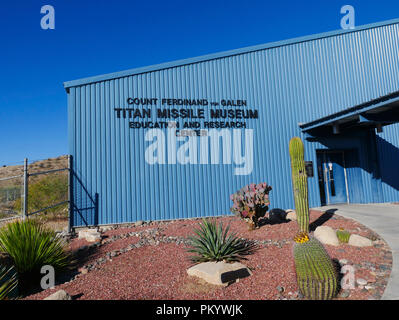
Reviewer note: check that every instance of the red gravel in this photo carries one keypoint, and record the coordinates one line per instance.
(159, 271)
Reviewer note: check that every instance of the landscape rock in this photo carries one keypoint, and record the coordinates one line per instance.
(93, 237)
(359, 241)
(219, 273)
(106, 228)
(82, 233)
(326, 235)
(277, 215)
(290, 215)
(280, 289)
(83, 270)
(90, 235)
(384, 267)
(344, 294)
(343, 262)
(361, 282)
(139, 223)
(59, 295)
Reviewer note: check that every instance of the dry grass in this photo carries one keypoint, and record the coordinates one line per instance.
(55, 224)
(42, 165)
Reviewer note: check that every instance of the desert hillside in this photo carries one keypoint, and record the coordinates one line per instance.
(42, 165)
(44, 189)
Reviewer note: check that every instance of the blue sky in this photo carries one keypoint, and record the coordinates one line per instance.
(93, 37)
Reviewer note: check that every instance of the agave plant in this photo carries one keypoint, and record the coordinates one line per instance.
(31, 246)
(8, 282)
(214, 243)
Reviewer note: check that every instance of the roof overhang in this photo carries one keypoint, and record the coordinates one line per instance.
(376, 113)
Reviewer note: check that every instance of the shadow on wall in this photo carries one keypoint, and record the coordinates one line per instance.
(389, 160)
(84, 205)
(367, 151)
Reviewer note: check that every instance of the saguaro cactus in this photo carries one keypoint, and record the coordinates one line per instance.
(316, 276)
(299, 183)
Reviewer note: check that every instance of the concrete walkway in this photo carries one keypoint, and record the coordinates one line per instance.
(384, 220)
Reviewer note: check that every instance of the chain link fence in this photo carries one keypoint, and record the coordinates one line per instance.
(11, 189)
(47, 186)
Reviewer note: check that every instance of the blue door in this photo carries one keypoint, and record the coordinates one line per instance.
(332, 178)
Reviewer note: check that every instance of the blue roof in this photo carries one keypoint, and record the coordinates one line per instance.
(223, 54)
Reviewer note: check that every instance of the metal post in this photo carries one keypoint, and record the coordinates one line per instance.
(96, 204)
(26, 176)
(70, 193)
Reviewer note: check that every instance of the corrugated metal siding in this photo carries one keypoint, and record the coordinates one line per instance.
(387, 146)
(288, 84)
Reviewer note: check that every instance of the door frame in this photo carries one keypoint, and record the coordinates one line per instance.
(322, 153)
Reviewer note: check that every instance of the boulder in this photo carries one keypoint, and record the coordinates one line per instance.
(85, 231)
(91, 235)
(277, 215)
(359, 241)
(290, 214)
(82, 234)
(59, 295)
(219, 273)
(326, 235)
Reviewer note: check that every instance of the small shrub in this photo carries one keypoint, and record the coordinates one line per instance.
(46, 192)
(9, 193)
(31, 246)
(214, 243)
(8, 282)
(343, 236)
(251, 202)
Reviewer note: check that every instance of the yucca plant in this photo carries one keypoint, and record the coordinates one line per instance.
(214, 243)
(8, 283)
(31, 246)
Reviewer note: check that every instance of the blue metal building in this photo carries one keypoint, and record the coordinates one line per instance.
(175, 140)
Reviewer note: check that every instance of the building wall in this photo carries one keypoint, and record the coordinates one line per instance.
(288, 84)
(388, 152)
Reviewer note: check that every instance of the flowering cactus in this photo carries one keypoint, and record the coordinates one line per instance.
(251, 201)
